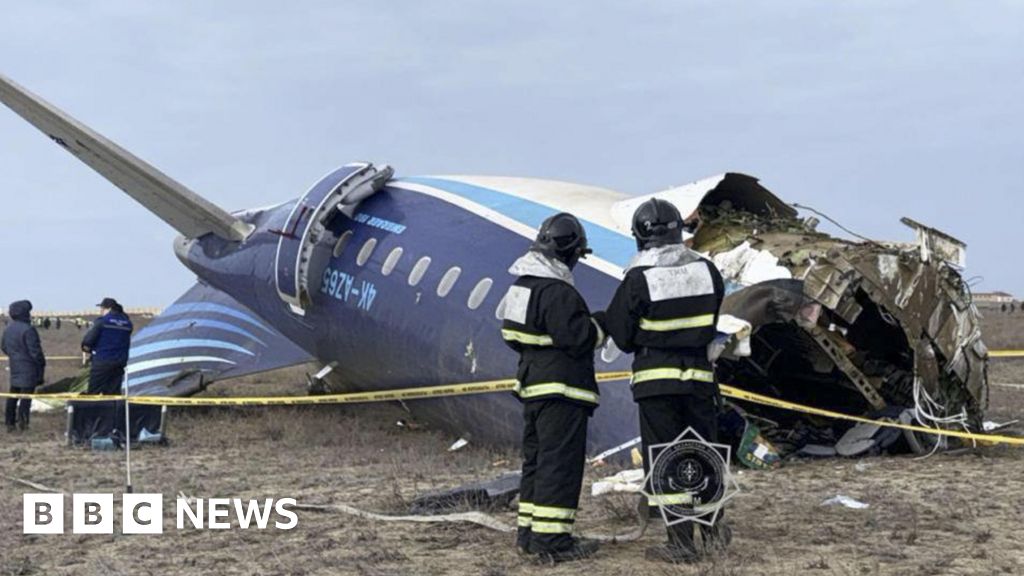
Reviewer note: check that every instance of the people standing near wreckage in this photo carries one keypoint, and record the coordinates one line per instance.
(106, 347)
(665, 313)
(548, 323)
(26, 363)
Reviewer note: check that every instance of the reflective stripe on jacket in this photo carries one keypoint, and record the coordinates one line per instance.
(548, 323)
(666, 316)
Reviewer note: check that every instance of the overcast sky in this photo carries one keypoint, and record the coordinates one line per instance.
(866, 111)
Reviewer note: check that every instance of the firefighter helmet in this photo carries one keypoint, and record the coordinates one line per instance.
(657, 222)
(562, 237)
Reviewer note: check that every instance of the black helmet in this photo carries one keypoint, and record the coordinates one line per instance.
(562, 237)
(657, 222)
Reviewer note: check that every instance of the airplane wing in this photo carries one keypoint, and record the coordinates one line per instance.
(205, 335)
(186, 211)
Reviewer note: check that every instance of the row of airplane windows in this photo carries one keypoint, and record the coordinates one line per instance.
(444, 287)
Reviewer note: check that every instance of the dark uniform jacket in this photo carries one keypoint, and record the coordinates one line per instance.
(109, 339)
(21, 345)
(665, 313)
(548, 323)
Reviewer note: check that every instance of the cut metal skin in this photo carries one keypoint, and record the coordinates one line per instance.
(892, 323)
(372, 277)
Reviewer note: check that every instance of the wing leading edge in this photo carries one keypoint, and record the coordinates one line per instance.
(186, 211)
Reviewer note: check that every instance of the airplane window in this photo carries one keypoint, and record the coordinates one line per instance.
(339, 246)
(366, 251)
(448, 281)
(499, 310)
(479, 293)
(391, 262)
(419, 270)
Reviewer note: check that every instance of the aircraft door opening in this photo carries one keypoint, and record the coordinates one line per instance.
(342, 190)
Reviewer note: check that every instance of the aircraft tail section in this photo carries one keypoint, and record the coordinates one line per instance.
(189, 213)
(205, 335)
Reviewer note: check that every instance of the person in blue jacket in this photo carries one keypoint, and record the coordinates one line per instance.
(26, 362)
(106, 343)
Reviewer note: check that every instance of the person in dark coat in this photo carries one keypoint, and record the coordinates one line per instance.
(106, 344)
(665, 313)
(548, 323)
(26, 362)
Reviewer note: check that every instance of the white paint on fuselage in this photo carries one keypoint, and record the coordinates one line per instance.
(594, 205)
(586, 202)
(606, 208)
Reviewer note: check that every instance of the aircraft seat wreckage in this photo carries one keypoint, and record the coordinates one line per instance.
(362, 275)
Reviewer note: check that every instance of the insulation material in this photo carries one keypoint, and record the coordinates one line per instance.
(748, 265)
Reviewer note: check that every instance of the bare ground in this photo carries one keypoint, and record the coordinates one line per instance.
(942, 515)
(948, 514)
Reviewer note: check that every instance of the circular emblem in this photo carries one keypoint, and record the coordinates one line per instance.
(689, 479)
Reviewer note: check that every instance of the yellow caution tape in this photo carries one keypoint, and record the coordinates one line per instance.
(740, 394)
(48, 358)
(991, 353)
(492, 386)
(418, 393)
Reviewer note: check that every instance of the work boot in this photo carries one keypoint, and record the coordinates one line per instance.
(523, 541)
(578, 549)
(680, 548)
(717, 537)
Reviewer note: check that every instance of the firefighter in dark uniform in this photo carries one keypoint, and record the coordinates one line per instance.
(665, 313)
(106, 345)
(548, 323)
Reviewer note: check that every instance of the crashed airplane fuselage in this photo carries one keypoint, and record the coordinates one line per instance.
(394, 282)
(861, 327)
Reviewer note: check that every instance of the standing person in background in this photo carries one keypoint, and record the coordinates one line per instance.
(106, 346)
(26, 362)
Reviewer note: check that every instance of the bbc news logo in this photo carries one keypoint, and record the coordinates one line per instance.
(144, 514)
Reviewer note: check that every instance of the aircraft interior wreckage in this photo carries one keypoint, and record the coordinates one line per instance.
(364, 274)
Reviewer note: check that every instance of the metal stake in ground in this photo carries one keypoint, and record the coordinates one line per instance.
(127, 439)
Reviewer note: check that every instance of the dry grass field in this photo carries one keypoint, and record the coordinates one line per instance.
(948, 514)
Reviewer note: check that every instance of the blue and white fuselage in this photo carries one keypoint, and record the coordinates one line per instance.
(392, 282)
(402, 294)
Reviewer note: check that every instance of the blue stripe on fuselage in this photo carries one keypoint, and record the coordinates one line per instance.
(159, 328)
(180, 308)
(139, 380)
(177, 344)
(607, 244)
